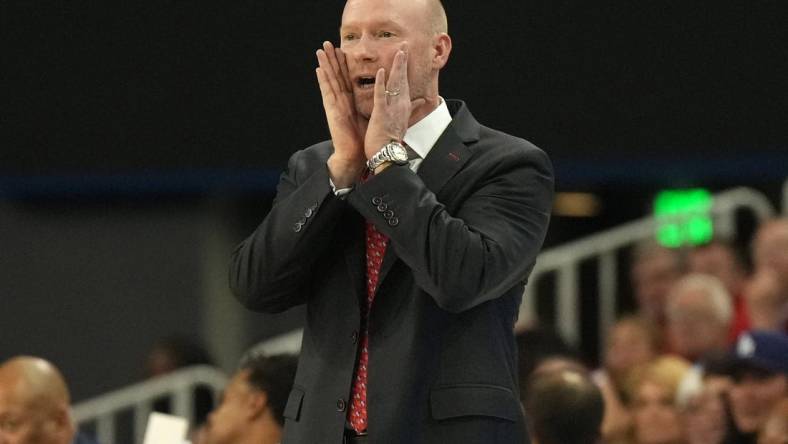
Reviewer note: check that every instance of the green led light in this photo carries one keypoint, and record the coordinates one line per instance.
(684, 217)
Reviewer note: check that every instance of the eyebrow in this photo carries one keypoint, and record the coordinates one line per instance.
(378, 24)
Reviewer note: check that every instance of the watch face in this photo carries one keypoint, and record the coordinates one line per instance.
(398, 153)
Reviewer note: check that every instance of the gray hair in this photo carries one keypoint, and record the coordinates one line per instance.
(716, 294)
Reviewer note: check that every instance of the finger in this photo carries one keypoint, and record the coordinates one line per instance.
(328, 70)
(344, 69)
(398, 78)
(380, 89)
(328, 47)
(325, 87)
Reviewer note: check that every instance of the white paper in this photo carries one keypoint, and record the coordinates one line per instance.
(165, 429)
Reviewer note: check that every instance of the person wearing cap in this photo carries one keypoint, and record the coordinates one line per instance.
(759, 367)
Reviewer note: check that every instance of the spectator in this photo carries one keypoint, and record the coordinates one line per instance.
(767, 293)
(632, 342)
(654, 270)
(703, 400)
(253, 403)
(35, 404)
(699, 314)
(556, 364)
(655, 413)
(704, 418)
(723, 260)
(759, 368)
(775, 431)
(170, 354)
(533, 346)
(563, 407)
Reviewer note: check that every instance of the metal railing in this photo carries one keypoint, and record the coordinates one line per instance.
(565, 262)
(178, 387)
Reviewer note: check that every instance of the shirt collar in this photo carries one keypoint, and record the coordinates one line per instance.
(421, 137)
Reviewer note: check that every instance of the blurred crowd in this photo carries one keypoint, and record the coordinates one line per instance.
(703, 360)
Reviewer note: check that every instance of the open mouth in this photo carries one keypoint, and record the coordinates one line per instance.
(365, 82)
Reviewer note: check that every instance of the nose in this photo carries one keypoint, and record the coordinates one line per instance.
(361, 50)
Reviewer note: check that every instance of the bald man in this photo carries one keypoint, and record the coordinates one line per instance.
(409, 236)
(35, 404)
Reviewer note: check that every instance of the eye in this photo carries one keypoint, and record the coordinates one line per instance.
(349, 37)
(386, 34)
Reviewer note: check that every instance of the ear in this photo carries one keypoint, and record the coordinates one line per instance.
(442, 47)
(257, 404)
(61, 419)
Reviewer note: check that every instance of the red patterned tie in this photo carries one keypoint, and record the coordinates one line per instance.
(376, 246)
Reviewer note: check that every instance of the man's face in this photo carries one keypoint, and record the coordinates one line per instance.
(693, 329)
(716, 260)
(20, 424)
(652, 278)
(771, 250)
(752, 398)
(373, 31)
(628, 346)
(231, 419)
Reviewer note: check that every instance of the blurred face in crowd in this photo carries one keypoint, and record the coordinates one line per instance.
(719, 261)
(775, 431)
(693, 326)
(652, 278)
(628, 345)
(240, 407)
(753, 396)
(656, 419)
(770, 249)
(704, 418)
(30, 417)
(373, 31)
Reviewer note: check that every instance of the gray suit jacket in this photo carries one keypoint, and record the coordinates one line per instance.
(464, 235)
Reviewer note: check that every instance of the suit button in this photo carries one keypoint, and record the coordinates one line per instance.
(382, 207)
(377, 200)
(298, 226)
(302, 221)
(388, 214)
(393, 222)
(354, 337)
(308, 212)
(341, 405)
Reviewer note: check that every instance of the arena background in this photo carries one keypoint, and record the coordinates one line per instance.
(142, 141)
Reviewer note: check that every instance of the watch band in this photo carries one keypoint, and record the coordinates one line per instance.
(391, 152)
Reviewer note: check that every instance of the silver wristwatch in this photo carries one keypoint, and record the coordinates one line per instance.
(391, 152)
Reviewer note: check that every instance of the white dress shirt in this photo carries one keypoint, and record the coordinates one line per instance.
(419, 139)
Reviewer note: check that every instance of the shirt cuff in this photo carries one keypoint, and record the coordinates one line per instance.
(339, 192)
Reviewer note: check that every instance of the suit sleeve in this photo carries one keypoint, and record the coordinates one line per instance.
(270, 270)
(490, 243)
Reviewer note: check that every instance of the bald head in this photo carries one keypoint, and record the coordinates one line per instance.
(35, 378)
(564, 407)
(431, 12)
(34, 402)
(437, 17)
